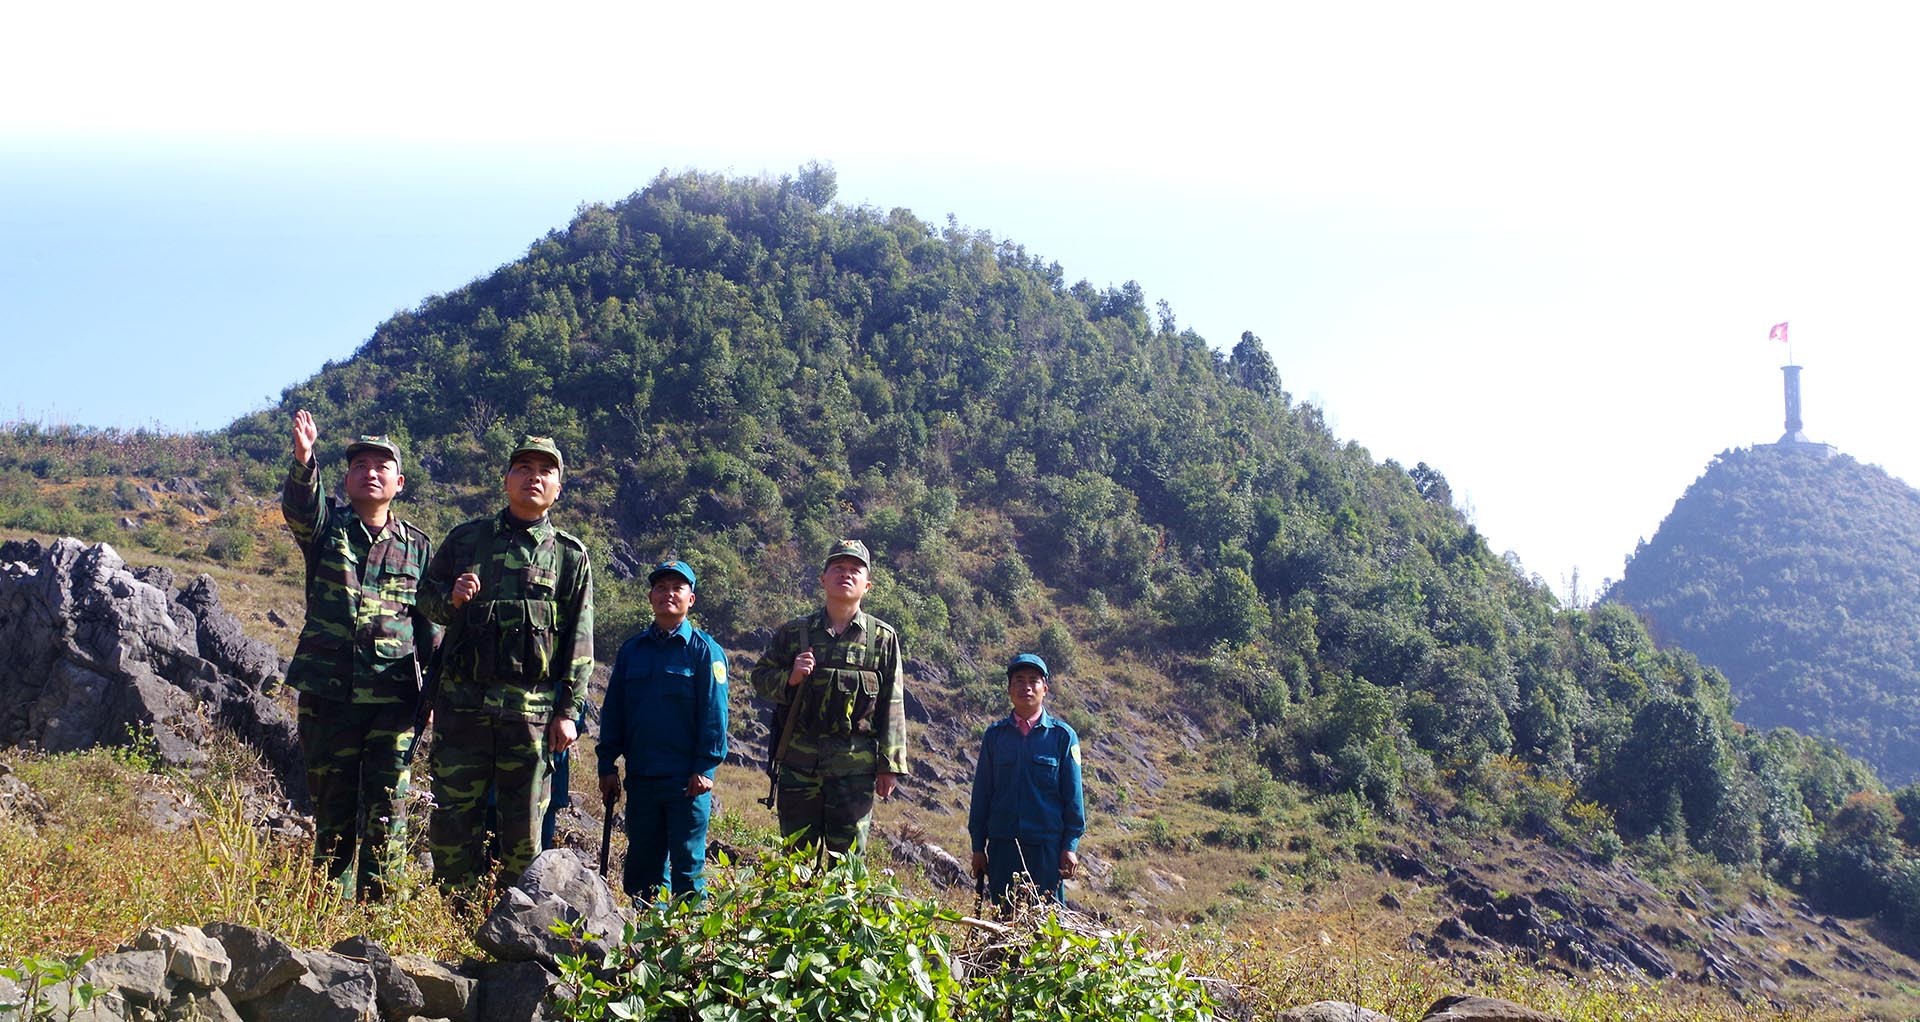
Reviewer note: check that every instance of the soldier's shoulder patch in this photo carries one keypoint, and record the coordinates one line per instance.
(719, 672)
(1074, 751)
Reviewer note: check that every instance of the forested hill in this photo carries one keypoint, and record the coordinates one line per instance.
(1799, 576)
(1258, 629)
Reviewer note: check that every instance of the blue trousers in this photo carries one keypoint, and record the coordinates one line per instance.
(1039, 860)
(666, 838)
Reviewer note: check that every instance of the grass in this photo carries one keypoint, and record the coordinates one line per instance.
(90, 872)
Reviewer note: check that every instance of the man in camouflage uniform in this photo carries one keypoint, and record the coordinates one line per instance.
(837, 677)
(516, 595)
(357, 666)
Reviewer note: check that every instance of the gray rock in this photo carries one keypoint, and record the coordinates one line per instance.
(447, 994)
(64, 1003)
(1330, 1011)
(517, 992)
(397, 995)
(202, 1006)
(334, 988)
(90, 651)
(139, 976)
(1469, 1008)
(560, 887)
(192, 956)
(261, 962)
(221, 640)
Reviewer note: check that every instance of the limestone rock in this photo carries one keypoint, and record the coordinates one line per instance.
(262, 963)
(446, 994)
(1330, 1011)
(91, 651)
(558, 887)
(517, 992)
(396, 994)
(191, 955)
(1469, 1008)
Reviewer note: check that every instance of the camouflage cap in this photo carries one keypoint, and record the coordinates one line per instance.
(538, 445)
(680, 568)
(1027, 660)
(381, 443)
(848, 548)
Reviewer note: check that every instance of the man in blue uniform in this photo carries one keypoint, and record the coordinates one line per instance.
(666, 712)
(1027, 813)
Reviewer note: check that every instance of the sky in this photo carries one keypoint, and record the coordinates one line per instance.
(1539, 248)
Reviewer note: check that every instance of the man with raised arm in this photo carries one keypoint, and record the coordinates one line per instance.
(358, 662)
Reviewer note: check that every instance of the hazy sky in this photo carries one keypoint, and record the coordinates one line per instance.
(1537, 250)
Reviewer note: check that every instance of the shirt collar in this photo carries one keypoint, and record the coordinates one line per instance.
(825, 624)
(683, 631)
(505, 522)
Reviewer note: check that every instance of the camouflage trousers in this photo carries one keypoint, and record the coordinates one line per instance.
(472, 753)
(833, 810)
(357, 772)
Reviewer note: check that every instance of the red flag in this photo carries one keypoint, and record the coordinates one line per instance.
(1778, 333)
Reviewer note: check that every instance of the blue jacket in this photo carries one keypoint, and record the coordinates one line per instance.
(666, 705)
(1028, 786)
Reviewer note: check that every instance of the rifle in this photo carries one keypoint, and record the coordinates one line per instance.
(783, 717)
(429, 686)
(606, 836)
(783, 722)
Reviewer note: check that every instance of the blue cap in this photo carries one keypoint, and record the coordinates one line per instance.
(674, 568)
(1027, 660)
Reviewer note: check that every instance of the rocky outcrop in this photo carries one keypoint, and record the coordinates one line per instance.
(92, 651)
(228, 971)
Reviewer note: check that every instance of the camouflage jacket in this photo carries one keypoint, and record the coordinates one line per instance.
(359, 639)
(852, 708)
(523, 646)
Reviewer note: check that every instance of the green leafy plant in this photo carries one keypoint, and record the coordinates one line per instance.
(785, 940)
(48, 988)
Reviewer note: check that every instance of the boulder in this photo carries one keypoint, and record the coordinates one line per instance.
(191, 955)
(334, 988)
(517, 992)
(92, 652)
(560, 887)
(1470, 1008)
(396, 994)
(446, 994)
(140, 977)
(262, 963)
(1331, 1011)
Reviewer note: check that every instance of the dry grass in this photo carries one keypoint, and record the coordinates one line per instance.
(91, 871)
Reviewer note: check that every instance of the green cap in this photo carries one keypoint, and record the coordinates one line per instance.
(1027, 660)
(380, 443)
(680, 568)
(538, 444)
(848, 548)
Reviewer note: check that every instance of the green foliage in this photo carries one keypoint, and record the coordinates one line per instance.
(48, 987)
(1793, 573)
(785, 940)
(782, 941)
(1061, 974)
(742, 371)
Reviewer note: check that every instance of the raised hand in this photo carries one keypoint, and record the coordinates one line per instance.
(304, 435)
